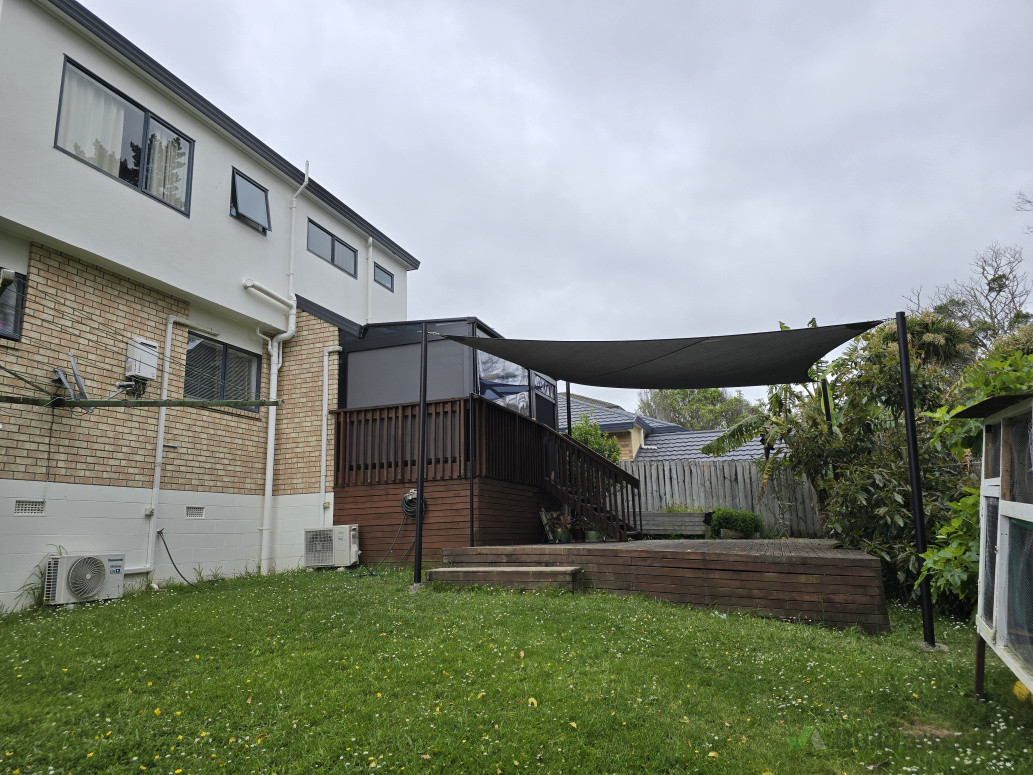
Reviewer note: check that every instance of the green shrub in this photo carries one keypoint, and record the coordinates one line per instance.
(588, 432)
(745, 522)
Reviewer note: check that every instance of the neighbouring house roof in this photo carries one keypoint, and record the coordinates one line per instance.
(663, 440)
(686, 445)
(136, 56)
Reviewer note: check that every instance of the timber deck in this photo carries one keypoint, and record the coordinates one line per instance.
(796, 579)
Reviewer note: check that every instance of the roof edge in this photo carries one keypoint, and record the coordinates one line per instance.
(92, 24)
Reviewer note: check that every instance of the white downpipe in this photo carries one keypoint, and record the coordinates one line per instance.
(324, 504)
(275, 348)
(159, 451)
(369, 280)
(251, 285)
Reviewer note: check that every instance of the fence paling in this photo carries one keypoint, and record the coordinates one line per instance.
(787, 504)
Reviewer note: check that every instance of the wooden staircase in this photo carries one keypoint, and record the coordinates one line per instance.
(601, 494)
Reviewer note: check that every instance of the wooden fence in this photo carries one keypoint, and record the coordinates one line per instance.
(788, 506)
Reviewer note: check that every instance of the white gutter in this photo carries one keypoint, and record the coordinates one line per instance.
(275, 347)
(369, 280)
(159, 453)
(324, 503)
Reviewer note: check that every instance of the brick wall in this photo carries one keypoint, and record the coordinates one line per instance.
(624, 439)
(298, 422)
(73, 306)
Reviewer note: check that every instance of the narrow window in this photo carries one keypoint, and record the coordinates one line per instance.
(249, 202)
(216, 371)
(12, 301)
(383, 277)
(106, 130)
(330, 248)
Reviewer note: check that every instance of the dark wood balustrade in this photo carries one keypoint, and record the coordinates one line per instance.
(377, 445)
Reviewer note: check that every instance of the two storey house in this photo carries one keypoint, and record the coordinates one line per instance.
(170, 254)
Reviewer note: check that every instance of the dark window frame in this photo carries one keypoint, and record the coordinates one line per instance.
(148, 117)
(235, 211)
(334, 240)
(226, 347)
(378, 281)
(20, 285)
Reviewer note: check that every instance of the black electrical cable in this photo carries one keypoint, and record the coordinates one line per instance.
(161, 535)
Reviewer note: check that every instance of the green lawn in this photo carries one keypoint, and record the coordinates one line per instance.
(335, 671)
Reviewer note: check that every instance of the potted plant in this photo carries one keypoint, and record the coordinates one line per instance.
(735, 523)
(557, 525)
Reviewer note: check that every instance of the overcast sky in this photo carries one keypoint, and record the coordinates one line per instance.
(618, 170)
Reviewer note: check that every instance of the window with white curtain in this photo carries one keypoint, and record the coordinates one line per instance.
(105, 129)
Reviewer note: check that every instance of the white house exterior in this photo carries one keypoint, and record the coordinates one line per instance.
(131, 208)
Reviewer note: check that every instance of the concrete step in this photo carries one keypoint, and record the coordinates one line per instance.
(569, 577)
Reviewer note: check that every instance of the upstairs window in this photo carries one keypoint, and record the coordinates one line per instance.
(249, 202)
(330, 248)
(383, 277)
(103, 128)
(12, 300)
(217, 371)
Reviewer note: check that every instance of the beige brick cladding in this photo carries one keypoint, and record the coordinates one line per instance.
(74, 306)
(298, 423)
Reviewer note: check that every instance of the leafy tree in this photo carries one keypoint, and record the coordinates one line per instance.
(858, 463)
(992, 300)
(700, 409)
(588, 432)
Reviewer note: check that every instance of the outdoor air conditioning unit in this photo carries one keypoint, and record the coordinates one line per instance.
(79, 578)
(332, 547)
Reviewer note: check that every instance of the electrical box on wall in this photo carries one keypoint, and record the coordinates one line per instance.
(142, 359)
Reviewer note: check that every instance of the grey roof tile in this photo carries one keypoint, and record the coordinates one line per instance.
(686, 445)
(671, 441)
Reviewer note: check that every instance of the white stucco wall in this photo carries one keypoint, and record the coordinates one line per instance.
(91, 519)
(49, 194)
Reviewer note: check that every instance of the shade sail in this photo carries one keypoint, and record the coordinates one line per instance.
(739, 360)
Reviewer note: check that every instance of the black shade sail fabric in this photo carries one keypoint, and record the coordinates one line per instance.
(739, 360)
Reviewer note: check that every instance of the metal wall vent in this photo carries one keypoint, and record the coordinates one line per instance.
(195, 512)
(27, 507)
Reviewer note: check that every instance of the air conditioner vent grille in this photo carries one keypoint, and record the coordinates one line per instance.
(50, 577)
(319, 547)
(86, 577)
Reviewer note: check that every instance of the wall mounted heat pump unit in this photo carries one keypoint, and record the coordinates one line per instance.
(142, 359)
(80, 578)
(332, 547)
